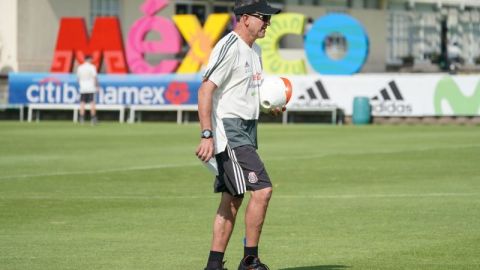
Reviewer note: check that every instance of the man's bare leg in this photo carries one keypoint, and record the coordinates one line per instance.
(82, 112)
(255, 215)
(222, 229)
(93, 112)
(225, 221)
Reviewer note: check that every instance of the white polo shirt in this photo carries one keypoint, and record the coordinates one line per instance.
(87, 74)
(236, 69)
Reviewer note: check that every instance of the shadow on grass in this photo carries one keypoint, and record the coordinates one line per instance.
(319, 267)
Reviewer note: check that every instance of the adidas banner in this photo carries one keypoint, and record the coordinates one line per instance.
(391, 94)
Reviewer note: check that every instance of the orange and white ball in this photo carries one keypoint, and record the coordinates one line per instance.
(275, 93)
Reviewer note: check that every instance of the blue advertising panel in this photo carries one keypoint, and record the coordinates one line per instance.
(53, 88)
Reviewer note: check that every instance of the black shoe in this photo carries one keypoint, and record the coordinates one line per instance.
(252, 263)
(221, 268)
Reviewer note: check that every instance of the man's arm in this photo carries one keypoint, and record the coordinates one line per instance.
(206, 149)
(95, 76)
(96, 84)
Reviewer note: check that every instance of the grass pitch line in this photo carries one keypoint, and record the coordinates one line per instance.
(213, 196)
(381, 152)
(386, 195)
(127, 169)
(191, 164)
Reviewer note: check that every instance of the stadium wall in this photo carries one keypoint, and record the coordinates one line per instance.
(38, 22)
(8, 37)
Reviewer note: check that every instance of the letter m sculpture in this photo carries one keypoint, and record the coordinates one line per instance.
(105, 44)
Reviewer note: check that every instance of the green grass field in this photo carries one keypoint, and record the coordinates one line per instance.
(135, 197)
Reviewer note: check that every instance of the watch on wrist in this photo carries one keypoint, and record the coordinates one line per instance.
(207, 134)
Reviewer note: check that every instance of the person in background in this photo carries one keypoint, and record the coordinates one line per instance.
(455, 59)
(308, 26)
(88, 82)
(228, 108)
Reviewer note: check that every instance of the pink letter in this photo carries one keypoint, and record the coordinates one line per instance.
(170, 42)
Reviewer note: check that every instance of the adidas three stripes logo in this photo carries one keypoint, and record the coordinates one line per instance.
(386, 95)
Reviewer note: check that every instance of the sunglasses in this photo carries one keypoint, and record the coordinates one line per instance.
(264, 18)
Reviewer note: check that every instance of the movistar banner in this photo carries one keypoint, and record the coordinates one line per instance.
(25, 88)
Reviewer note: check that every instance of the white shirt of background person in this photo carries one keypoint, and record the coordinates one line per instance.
(87, 75)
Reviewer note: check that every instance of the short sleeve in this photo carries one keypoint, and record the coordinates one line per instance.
(222, 61)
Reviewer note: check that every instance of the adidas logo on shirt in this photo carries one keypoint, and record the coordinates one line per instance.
(390, 101)
(248, 68)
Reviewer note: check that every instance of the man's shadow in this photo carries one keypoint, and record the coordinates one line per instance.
(319, 267)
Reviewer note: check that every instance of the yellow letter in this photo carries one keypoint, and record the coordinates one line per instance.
(201, 41)
(281, 25)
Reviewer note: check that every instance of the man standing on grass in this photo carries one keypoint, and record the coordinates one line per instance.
(87, 80)
(228, 108)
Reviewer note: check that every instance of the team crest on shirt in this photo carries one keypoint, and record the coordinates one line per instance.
(252, 177)
(255, 83)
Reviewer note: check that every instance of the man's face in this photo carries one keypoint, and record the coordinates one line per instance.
(258, 24)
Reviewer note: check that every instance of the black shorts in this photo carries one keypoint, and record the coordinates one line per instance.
(87, 97)
(240, 169)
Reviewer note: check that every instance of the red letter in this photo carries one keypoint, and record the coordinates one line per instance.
(73, 41)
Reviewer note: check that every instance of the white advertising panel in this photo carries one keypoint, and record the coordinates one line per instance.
(391, 94)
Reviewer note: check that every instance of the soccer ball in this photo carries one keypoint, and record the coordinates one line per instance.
(275, 92)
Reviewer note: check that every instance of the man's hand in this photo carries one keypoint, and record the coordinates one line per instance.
(205, 149)
(277, 111)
